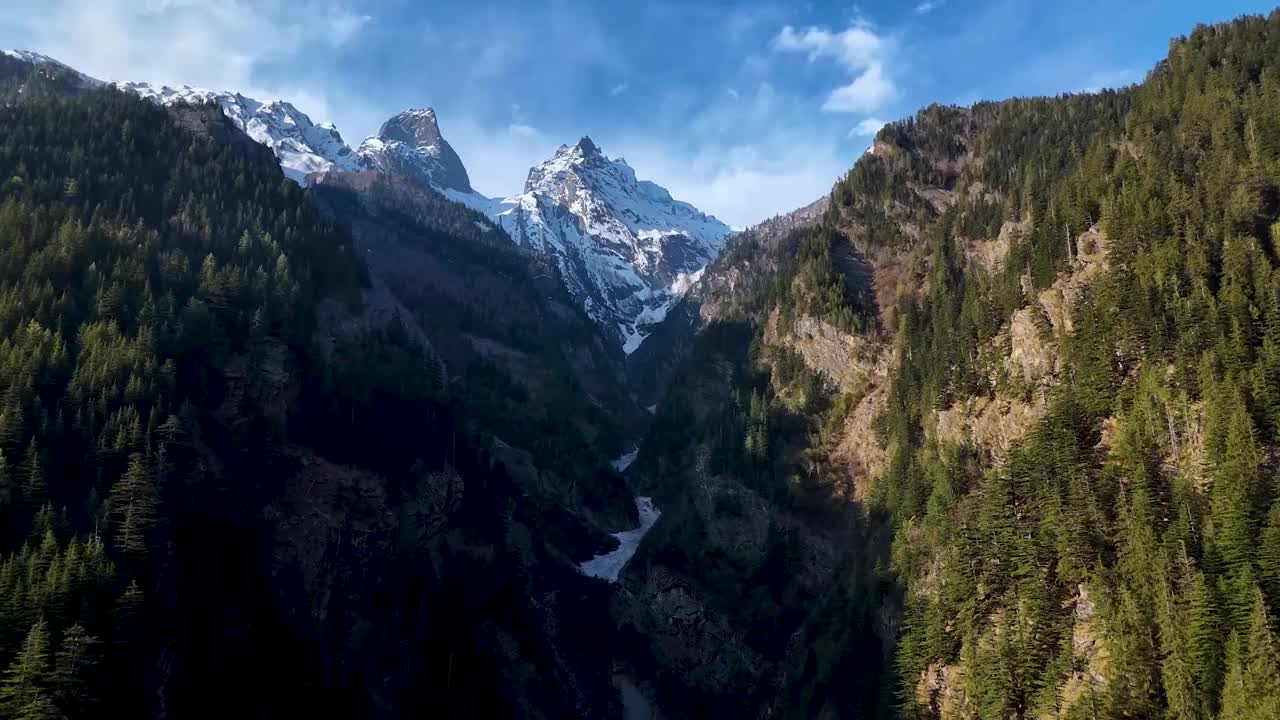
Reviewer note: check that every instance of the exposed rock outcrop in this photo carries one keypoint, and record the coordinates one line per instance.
(1028, 359)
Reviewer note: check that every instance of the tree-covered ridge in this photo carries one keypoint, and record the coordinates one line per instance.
(1120, 558)
(21, 80)
(1148, 486)
(978, 154)
(185, 357)
(136, 258)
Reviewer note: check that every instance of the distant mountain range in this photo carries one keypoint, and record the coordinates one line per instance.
(625, 248)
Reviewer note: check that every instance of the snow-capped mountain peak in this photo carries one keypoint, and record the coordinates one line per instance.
(411, 143)
(580, 151)
(303, 147)
(626, 247)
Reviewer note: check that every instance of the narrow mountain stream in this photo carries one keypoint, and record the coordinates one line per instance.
(607, 566)
(635, 703)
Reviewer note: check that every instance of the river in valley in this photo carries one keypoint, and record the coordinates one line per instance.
(635, 703)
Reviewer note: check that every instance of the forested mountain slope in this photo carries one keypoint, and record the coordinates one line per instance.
(232, 479)
(1031, 350)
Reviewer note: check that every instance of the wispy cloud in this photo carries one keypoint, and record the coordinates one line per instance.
(219, 44)
(743, 159)
(928, 6)
(860, 50)
(867, 127)
(344, 25)
(867, 93)
(497, 159)
(618, 89)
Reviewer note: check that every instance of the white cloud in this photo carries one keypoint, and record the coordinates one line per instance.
(731, 92)
(928, 6)
(867, 127)
(860, 50)
(214, 43)
(618, 90)
(742, 184)
(856, 47)
(867, 93)
(217, 44)
(522, 129)
(742, 160)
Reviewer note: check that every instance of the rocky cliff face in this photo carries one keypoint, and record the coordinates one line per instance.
(410, 144)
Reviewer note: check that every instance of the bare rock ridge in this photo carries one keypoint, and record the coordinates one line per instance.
(411, 143)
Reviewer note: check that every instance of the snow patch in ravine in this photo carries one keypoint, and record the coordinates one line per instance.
(608, 566)
(622, 463)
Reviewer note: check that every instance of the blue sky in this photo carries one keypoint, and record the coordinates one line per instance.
(746, 109)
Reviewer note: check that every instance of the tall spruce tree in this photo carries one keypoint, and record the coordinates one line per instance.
(25, 691)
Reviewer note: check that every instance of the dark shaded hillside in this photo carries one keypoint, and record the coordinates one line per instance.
(514, 347)
(226, 487)
(21, 80)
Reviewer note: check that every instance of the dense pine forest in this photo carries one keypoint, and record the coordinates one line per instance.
(1118, 559)
(181, 333)
(1150, 484)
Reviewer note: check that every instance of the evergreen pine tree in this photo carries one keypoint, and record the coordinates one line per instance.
(7, 490)
(1269, 557)
(24, 692)
(1235, 482)
(1205, 641)
(1262, 666)
(133, 506)
(73, 671)
(1235, 702)
(34, 492)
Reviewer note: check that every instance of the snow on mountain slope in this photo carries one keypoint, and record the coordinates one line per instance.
(302, 146)
(37, 59)
(627, 249)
